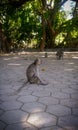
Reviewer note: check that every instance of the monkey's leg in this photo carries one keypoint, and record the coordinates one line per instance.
(39, 82)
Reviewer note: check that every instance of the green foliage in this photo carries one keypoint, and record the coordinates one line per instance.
(23, 25)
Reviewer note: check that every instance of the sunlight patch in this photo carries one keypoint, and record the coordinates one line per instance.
(14, 64)
(75, 57)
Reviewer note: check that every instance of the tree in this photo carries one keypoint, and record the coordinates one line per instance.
(7, 8)
(41, 21)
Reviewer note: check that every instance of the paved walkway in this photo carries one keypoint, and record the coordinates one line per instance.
(51, 107)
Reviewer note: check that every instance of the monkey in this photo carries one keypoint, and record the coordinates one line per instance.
(32, 73)
(59, 54)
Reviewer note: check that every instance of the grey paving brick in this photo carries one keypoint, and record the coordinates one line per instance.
(48, 100)
(1, 111)
(53, 128)
(37, 107)
(69, 90)
(2, 125)
(75, 95)
(59, 110)
(42, 93)
(70, 103)
(75, 111)
(10, 105)
(21, 126)
(6, 91)
(28, 98)
(69, 122)
(14, 116)
(60, 95)
(74, 86)
(42, 119)
(33, 107)
(8, 97)
(35, 88)
(25, 92)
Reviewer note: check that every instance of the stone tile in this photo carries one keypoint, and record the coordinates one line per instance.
(1, 111)
(24, 92)
(35, 87)
(69, 122)
(21, 126)
(53, 128)
(74, 86)
(75, 111)
(48, 100)
(74, 96)
(60, 95)
(41, 93)
(28, 98)
(2, 125)
(58, 110)
(42, 119)
(8, 97)
(14, 116)
(33, 107)
(69, 90)
(52, 89)
(6, 91)
(10, 105)
(0, 101)
(63, 88)
(70, 103)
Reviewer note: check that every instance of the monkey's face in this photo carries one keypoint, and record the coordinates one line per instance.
(39, 62)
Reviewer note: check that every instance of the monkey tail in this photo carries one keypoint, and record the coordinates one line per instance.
(44, 83)
(19, 89)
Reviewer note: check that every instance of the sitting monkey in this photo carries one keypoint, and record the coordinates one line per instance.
(59, 54)
(32, 73)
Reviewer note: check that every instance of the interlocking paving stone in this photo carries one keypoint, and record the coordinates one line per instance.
(14, 116)
(28, 98)
(75, 96)
(21, 126)
(10, 105)
(58, 110)
(35, 88)
(2, 125)
(6, 91)
(37, 107)
(1, 111)
(74, 86)
(75, 111)
(33, 107)
(8, 97)
(70, 102)
(69, 90)
(42, 119)
(52, 89)
(69, 122)
(53, 128)
(42, 93)
(48, 100)
(24, 92)
(60, 95)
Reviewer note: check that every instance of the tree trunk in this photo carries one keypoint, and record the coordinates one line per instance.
(4, 44)
(51, 35)
(42, 45)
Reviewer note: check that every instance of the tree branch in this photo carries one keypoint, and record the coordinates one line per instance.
(14, 3)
